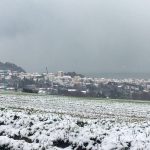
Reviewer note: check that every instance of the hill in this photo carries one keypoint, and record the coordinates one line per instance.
(11, 66)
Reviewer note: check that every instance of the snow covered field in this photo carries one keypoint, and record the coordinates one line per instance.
(52, 122)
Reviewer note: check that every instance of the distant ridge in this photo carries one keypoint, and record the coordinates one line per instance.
(10, 66)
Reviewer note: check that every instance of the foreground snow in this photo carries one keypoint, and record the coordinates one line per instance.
(22, 127)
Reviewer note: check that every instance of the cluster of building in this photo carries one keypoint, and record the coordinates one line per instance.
(72, 84)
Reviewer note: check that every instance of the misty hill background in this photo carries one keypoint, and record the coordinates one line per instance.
(11, 66)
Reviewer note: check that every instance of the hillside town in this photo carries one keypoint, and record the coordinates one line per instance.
(73, 84)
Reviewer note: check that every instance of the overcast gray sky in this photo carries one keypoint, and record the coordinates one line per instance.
(76, 35)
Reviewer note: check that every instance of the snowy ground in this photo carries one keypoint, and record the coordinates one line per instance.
(55, 123)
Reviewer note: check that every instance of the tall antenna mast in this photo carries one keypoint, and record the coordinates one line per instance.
(46, 70)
